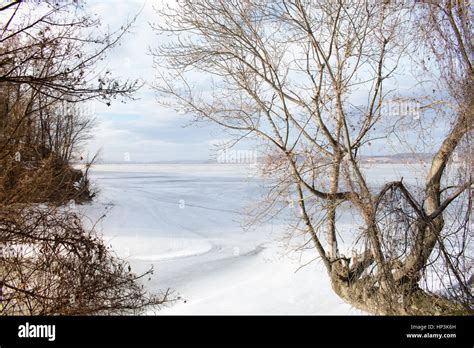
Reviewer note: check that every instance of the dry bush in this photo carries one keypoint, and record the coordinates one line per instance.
(51, 265)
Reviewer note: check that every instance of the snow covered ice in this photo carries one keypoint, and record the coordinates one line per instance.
(186, 221)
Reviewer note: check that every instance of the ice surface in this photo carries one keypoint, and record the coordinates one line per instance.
(186, 221)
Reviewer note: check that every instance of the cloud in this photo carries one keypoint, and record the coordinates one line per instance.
(142, 128)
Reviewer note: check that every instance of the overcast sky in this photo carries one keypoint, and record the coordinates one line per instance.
(142, 129)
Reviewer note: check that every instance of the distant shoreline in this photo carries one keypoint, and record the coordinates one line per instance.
(401, 158)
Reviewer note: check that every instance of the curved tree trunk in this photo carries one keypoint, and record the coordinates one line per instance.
(363, 295)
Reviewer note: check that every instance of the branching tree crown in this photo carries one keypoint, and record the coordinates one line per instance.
(285, 72)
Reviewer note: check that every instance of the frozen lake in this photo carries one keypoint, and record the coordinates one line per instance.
(186, 220)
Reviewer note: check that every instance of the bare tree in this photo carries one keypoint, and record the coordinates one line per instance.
(445, 29)
(49, 56)
(49, 262)
(285, 72)
(48, 60)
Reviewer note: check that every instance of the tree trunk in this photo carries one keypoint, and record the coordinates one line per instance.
(364, 294)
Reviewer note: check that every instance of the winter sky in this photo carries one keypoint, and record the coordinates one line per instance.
(141, 129)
